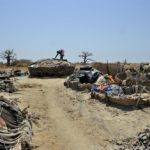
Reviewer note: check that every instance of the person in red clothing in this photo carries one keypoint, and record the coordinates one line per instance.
(60, 52)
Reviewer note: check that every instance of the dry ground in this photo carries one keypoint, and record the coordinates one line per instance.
(70, 120)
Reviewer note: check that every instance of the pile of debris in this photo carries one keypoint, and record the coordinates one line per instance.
(140, 142)
(5, 74)
(50, 67)
(125, 93)
(6, 84)
(143, 67)
(15, 126)
(127, 88)
(82, 79)
(134, 75)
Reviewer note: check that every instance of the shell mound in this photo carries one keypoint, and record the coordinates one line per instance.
(51, 68)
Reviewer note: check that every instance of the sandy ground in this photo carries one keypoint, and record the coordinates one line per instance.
(70, 120)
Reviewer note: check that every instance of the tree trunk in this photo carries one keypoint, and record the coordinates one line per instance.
(8, 61)
(85, 60)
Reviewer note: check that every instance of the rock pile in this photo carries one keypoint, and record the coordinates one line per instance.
(82, 79)
(7, 86)
(141, 142)
(50, 67)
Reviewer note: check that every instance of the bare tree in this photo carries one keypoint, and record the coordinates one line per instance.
(85, 56)
(8, 55)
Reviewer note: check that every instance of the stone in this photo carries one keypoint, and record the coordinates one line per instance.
(119, 142)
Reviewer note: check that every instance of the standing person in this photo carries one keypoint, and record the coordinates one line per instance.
(60, 52)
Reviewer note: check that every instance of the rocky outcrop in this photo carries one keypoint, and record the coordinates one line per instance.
(51, 68)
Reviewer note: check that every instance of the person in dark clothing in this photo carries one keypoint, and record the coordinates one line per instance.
(61, 53)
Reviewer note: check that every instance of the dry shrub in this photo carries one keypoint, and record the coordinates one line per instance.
(22, 63)
(113, 68)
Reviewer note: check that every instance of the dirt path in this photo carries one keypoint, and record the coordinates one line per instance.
(70, 120)
(68, 134)
(58, 131)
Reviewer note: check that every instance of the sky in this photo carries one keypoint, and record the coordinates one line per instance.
(112, 30)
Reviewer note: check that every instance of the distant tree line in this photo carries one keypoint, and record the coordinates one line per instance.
(10, 56)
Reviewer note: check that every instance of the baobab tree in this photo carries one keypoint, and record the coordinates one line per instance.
(85, 56)
(8, 55)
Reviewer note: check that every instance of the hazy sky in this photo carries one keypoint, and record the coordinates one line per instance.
(111, 29)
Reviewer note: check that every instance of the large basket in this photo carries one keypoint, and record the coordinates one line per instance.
(120, 100)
